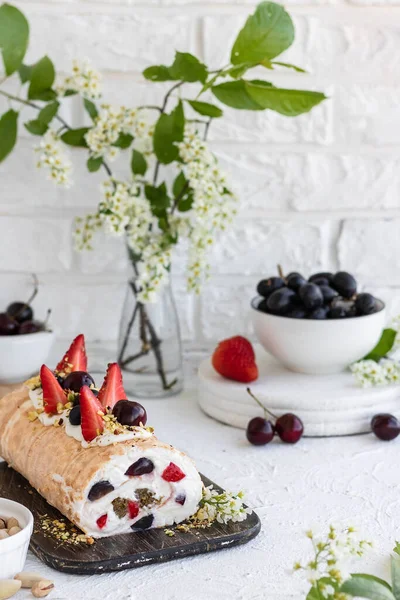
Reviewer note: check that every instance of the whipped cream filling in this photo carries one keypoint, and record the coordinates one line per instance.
(164, 507)
(104, 439)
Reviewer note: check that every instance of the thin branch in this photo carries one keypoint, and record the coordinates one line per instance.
(59, 119)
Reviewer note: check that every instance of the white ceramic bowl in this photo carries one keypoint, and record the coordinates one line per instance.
(317, 346)
(21, 356)
(13, 549)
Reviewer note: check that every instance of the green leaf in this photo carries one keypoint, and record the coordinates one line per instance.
(8, 133)
(286, 102)
(235, 94)
(75, 137)
(158, 198)
(138, 163)
(36, 127)
(206, 109)
(395, 568)
(182, 193)
(42, 78)
(168, 131)
(179, 184)
(396, 549)
(93, 164)
(158, 73)
(187, 67)
(367, 586)
(70, 93)
(48, 113)
(314, 594)
(124, 141)
(25, 72)
(14, 37)
(289, 66)
(91, 108)
(384, 345)
(265, 35)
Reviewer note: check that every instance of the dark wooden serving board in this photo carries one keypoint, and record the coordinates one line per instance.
(120, 552)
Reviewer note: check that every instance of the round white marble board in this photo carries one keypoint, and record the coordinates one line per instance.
(327, 404)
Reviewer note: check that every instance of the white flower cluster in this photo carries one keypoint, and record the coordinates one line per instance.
(114, 121)
(53, 157)
(214, 206)
(222, 507)
(327, 571)
(395, 324)
(84, 80)
(369, 373)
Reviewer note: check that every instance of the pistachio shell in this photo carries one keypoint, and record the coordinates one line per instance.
(12, 522)
(3, 534)
(28, 578)
(40, 589)
(8, 587)
(14, 530)
(2, 524)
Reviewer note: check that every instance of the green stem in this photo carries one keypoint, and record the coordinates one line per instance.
(266, 411)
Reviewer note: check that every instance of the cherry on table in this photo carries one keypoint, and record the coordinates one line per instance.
(260, 431)
(289, 428)
(31, 327)
(385, 426)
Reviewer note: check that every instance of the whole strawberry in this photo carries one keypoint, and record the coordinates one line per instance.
(234, 359)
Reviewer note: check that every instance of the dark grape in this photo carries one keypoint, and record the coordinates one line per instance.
(328, 276)
(8, 326)
(318, 313)
(130, 413)
(311, 296)
(344, 284)
(294, 273)
(385, 426)
(365, 304)
(180, 499)
(281, 301)
(294, 282)
(289, 428)
(297, 313)
(259, 431)
(20, 311)
(266, 286)
(100, 489)
(76, 380)
(75, 415)
(320, 281)
(337, 312)
(140, 467)
(263, 306)
(143, 523)
(328, 293)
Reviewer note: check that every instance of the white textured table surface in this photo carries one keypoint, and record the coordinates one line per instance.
(352, 480)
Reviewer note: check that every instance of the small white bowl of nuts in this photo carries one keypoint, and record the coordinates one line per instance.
(16, 526)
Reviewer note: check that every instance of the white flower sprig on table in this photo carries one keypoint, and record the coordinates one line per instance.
(221, 506)
(381, 366)
(328, 570)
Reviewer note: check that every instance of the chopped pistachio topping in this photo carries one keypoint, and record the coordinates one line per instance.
(146, 497)
(33, 383)
(120, 506)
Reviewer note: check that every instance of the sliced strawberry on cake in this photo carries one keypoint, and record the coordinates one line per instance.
(91, 414)
(75, 358)
(53, 394)
(234, 358)
(112, 389)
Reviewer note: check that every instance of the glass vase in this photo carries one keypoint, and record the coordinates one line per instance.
(149, 345)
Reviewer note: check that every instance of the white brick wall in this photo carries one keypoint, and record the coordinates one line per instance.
(319, 191)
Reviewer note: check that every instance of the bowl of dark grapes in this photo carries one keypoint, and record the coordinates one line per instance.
(316, 325)
(25, 341)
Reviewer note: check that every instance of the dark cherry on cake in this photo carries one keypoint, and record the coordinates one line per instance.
(323, 296)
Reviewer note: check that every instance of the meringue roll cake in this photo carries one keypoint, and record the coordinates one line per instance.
(89, 453)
